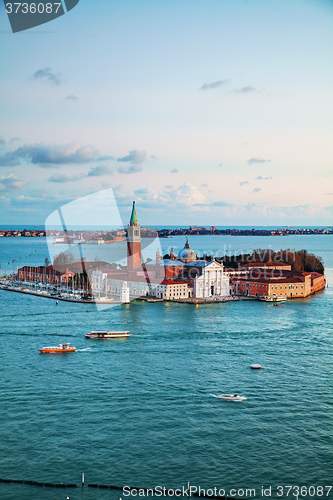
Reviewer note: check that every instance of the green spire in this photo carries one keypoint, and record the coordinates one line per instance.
(133, 219)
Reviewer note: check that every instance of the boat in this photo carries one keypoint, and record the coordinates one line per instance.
(231, 397)
(59, 349)
(255, 367)
(107, 335)
(273, 298)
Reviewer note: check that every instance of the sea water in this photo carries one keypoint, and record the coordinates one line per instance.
(139, 411)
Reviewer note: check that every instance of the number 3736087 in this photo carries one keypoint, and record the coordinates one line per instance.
(33, 8)
(303, 491)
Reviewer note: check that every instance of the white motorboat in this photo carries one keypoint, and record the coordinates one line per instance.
(107, 335)
(231, 397)
(255, 367)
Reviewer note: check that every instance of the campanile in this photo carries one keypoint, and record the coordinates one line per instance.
(133, 242)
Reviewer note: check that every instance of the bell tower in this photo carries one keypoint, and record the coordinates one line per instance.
(133, 242)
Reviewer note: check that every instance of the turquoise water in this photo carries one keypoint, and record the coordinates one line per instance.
(138, 411)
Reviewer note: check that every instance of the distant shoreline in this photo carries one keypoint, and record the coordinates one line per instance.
(169, 232)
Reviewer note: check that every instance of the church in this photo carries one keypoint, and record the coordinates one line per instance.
(178, 278)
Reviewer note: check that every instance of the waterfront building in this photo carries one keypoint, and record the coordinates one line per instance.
(110, 283)
(291, 285)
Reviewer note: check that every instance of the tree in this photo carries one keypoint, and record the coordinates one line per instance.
(63, 258)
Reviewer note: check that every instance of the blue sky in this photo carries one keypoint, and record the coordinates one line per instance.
(204, 112)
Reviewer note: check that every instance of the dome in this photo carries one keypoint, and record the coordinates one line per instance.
(187, 254)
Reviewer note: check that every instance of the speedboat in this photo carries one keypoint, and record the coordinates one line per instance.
(255, 367)
(273, 298)
(59, 349)
(231, 397)
(107, 335)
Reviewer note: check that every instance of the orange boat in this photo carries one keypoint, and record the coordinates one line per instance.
(60, 349)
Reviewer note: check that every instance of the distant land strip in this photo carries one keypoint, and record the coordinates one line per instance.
(111, 236)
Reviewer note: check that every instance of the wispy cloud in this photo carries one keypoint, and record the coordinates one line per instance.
(259, 178)
(66, 177)
(256, 190)
(142, 191)
(2, 141)
(72, 97)
(133, 169)
(174, 171)
(204, 185)
(246, 90)
(134, 156)
(243, 183)
(11, 183)
(14, 139)
(214, 85)
(220, 204)
(99, 171)
(9, 160)
(47, 75)
(47, 155)
(256, 159)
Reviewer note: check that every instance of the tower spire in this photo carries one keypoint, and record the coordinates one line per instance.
(133, 219)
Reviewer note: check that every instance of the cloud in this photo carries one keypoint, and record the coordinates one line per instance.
(11, 183)
(220, 164)
(66, 177)
(14, 139)
(243, 183)
(220, 204)
(48, 76)
(246, 90)
(72, 97)
(169, 187)
(46, 155)
(204, 185)
(259, 178)
(214, 85)
(2, 141)
(133, 169)
(99, 171)
(141, 191)
(134, 156)
(254, 160)
(9, 160)
(174, 171)
(256, 190)
(187, 194)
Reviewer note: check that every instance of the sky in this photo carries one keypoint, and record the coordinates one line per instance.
(206, 112)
